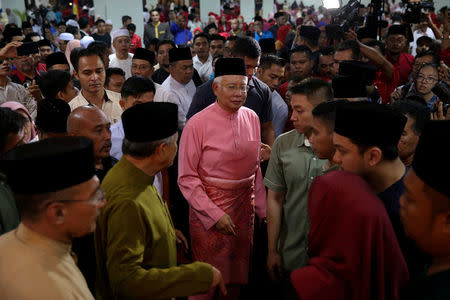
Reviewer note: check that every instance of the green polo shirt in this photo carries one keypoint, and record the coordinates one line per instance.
(292, 168)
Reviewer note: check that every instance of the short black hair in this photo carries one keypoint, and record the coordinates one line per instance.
(99, 46)
(217, 37)
(301, 49)
(83, 53)
(258, 19)
(329, 50)
(11, 32)
(72, 29)
(131, 27)
(315, 89)
(136, 86)
(113, 71)
(125, 18)
(415, 110)
(350, 45)
(268, 60)
(52, 82)
(201, 34)
(326, 112)
(26, 24)
(232, 38)
(164, 42)
(436, 58)
(246, 46)
(83, 22)
(11, 122)
(99, 21)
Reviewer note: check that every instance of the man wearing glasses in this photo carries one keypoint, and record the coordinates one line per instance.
(122, 57)
(220, 177)
(56, 205)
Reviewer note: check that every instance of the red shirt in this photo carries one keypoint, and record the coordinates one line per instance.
(403, 64)
(386, 85)
(135, 43)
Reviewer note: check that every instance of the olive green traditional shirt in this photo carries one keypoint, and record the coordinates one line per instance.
(291, 170)
(136, 245)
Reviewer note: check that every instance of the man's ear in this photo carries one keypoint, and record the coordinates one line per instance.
(75, 74)
(373, 156)
(56, 213)
(122, 103)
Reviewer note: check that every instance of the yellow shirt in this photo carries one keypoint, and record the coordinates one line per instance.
(35, 267)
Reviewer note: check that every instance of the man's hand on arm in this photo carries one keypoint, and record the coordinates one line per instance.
(218, 281)
(274, 212)
(225, 225)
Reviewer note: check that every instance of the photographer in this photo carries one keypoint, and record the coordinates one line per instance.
(425, 81)
(425, 28)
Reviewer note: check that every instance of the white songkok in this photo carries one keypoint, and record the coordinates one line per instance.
(72, 23)
(65, 36)
(86, 40)
(119, 33)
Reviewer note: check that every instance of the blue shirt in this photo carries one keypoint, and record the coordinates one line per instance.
(180, 36)
(264, 35)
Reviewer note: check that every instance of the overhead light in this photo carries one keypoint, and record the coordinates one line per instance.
(330, 4)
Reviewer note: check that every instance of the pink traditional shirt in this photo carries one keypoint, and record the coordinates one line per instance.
(220, 145)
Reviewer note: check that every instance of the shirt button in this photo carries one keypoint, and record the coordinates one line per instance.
(312, 177)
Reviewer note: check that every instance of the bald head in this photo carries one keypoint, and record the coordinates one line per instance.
(91, 122)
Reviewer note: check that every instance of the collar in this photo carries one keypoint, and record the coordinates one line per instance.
(180, 85)
(105, 97)
(37, 241)
(8, 81)
(302, 140)
(222, 112)
(134, 174)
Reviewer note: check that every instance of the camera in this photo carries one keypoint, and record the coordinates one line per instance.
(347, 16)
(413, 13)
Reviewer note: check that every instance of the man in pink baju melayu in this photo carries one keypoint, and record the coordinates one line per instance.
(219, 175)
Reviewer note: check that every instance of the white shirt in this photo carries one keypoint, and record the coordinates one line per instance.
(417, 34)
(117, 136)
(204, 69)
(111, 107)
(124, 64)
(164, 95)
(183, 94)
(280, 113)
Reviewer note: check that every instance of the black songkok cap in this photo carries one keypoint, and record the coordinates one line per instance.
(44, 42)
(52, 115)
(49, 165)
(182, 53)
(369, 124)
(144, 54)
(279, 14)
(397, 29)
(430, 163)
(150, 122)
(230, 66)
(348, 87)
(310, 32)
(57, 58)
(267, 45)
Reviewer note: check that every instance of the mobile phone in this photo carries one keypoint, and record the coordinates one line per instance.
(27, 49)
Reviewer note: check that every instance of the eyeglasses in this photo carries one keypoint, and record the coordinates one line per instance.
(96, 199)
(240, 88)
(426, 79)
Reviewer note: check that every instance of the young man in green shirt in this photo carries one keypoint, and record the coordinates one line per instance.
(292, 167)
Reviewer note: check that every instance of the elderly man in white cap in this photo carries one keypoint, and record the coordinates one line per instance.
(64, 38)
(122, 57)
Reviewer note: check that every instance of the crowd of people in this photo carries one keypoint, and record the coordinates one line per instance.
(281, 158)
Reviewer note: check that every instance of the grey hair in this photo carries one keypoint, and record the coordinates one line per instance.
(144, 149)
(218, 80)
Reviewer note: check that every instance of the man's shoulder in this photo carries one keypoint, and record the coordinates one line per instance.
(79, 100)
(113, 96)
(260, 85)
(290, 138)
